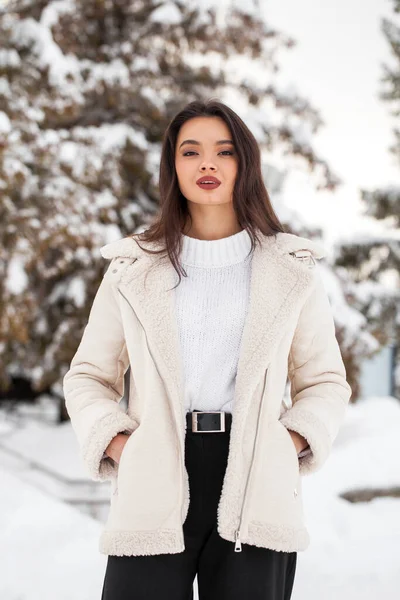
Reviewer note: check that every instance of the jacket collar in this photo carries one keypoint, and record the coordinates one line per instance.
(285, 242)
(279, 285)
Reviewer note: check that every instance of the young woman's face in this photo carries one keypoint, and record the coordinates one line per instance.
(205, 148)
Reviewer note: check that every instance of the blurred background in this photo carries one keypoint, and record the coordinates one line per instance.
(87, 88)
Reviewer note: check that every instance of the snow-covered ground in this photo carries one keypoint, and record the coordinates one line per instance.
(355, 547)
(49, 548)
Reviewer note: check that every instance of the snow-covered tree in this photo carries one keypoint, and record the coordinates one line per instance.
(372, 263)
(87, 89)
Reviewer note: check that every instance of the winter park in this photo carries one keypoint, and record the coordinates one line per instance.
(118, 118)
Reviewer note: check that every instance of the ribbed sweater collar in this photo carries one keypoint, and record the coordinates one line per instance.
(215, 253)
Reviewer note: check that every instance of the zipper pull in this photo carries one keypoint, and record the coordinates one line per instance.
(238, 545)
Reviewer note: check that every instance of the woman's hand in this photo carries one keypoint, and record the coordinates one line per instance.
(115, 447)
(298, 440)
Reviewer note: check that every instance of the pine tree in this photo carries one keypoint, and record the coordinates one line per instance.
(87, 89)
(373, 265)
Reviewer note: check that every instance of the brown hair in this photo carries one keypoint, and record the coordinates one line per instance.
(251, 201)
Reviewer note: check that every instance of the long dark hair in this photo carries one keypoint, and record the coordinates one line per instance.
(251, 201)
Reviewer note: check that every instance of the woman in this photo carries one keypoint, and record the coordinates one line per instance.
(206, 465)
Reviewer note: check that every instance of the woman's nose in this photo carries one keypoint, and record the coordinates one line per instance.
(208, 166)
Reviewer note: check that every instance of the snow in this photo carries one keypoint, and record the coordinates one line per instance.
(48, 549)
(9, 58)
(5, 124)
(77, 290)
(353, 554)
(37, 36)
(17, 279)
(168, 13)
(354, 546)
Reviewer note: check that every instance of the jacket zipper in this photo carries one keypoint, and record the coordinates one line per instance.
(238, 544)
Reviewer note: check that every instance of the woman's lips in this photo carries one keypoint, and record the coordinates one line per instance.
(208, 186)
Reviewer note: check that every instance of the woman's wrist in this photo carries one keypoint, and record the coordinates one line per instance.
(114, 449)
(299, 441)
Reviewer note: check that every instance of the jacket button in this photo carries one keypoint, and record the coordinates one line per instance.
(115, 270)
(295, 492)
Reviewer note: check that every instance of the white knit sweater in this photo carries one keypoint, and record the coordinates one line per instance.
(211, 307)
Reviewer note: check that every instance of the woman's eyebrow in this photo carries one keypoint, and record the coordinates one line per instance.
(196, 143)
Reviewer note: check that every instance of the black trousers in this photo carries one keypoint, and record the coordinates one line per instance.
(222, 574)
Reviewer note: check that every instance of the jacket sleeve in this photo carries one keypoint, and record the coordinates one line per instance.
(94, 384)
(318, 386)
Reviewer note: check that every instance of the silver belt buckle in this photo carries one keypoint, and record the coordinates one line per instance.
(194, 421)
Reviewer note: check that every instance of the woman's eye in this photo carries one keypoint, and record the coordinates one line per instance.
(222, 152)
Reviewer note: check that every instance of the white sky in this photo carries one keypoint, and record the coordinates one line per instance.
(337, 65)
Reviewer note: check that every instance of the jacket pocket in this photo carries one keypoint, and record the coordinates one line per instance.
(275, 494)
(292, 447)
(123, 455)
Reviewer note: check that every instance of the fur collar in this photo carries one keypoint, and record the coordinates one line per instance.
(285, 243)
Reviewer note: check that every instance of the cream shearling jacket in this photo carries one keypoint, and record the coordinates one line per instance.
(289, 333)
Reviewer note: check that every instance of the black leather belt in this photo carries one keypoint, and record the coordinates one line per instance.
(200, 421)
